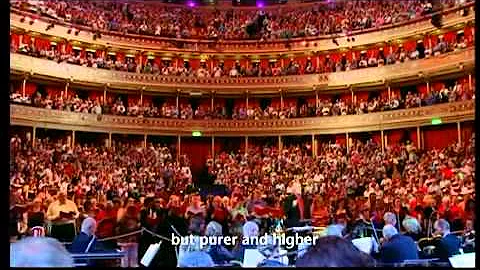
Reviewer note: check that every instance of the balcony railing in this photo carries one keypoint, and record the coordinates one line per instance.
(442, 64)
(419, 26)
(55, 119)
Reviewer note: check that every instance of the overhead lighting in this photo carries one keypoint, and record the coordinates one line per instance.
(77, 32)
(69, 31)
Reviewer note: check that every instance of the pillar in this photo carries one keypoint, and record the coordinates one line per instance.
(316, 98)
(141, 97)
(177, 101)
(318, 62)
(280, 145)
(140, 60)
(389, 93)
(105, 94)
(213, 147)
(34, 136)
(347, 142)
(281, 99)
(109, 140)
(470, 84)
(144, 140)
(73, 138)
(212, 101)
(383, 141)
(419, 138)
(459, 132)
(246, 144)
(179, 144)
(314, 146)
(428, 87)
(24, 84)
(66, 89)
(246, 100)
(353, 96)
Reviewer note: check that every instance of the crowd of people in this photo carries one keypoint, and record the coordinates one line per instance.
(231, 24)
(292, 67)
(325, 107)
(126, 188)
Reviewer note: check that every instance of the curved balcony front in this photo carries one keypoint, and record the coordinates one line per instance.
(394, 32)
(400, 119)
(411, 70)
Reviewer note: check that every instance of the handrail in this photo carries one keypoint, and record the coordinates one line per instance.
(409, 70)
(129, 36)
(398, 119)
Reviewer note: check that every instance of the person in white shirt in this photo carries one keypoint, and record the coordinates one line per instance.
(62, 214)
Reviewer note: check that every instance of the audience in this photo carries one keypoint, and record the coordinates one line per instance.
(283, 22)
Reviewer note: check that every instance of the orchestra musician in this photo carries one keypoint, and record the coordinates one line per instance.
(448, 243)
(468, 237)
(397, 248)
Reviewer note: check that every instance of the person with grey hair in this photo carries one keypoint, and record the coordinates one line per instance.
(218, 252)
(412, 227)
(193, 254)
(390, 218)
(86, 241)
(448, 244)
(39, 252)
(397, 247)
(250, 230)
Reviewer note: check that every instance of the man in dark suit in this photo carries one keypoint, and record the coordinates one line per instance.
(86, 241)
(398, 248)
(449, 244)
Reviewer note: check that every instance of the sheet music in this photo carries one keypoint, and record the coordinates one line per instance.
(252, 258)
(466, 260)
(150, 254)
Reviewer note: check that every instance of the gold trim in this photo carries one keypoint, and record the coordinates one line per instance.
(408, 71)
(400, 119)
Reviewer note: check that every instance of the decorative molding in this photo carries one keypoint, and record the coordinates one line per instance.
(407, 118)
(402, 72)
(322, 43)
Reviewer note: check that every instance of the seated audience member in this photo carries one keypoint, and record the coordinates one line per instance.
(86, 241)
(39, 252)
(333, 251)
(449, 244)
(397, 247)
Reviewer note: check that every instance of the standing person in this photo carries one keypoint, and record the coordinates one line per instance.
(196, 214)
(62, 214)
(150, 218)
(130, 222)
(35, 216)
(319, 211)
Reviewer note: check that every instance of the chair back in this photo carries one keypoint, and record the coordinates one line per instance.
(37, 231)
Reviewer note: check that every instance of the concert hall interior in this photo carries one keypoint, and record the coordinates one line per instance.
(218, 133)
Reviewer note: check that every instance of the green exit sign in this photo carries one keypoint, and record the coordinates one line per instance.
(436, 121)
(196, 134)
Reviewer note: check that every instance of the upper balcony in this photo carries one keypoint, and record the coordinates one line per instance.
(389, 33)
(454, 62)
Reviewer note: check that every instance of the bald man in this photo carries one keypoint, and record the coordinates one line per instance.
(62, 214)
